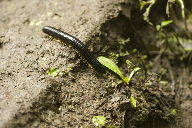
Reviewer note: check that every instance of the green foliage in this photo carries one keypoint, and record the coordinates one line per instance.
(110, 65)
(53, 72)
(147, 11)
(129, 63)
(132, 73)
(175, 45)
(113, 67)
(133, 102)
(163, 24)
(169, 5)
(173, 112)
(99, 121)
(171, 39)
(150, 3)
(142, 4)
(135, 69)
(120, 46)
(163, 82)
(171, 44)
(122, 41)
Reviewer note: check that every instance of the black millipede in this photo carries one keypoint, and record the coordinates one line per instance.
(77, 44)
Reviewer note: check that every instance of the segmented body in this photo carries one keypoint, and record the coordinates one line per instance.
(77, 44)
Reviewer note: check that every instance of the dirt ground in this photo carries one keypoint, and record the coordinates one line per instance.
(30, 98)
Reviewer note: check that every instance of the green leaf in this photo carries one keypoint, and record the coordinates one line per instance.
(158, 27)
(165, 23)
(99, 121)
(142, 4)
(182, 8)
(126, 80)
(146, 13)
(168, 6)
(133, 101)
(163, 82)
(110, 65)
(53, 72)
(167, 9)
(132, 73)
(136, 69)
(129, 62)
(173, 112)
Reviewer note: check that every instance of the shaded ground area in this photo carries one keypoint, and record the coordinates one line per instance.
(31, 98)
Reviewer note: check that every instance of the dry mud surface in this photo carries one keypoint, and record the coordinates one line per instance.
(26, 54)
(30, 98)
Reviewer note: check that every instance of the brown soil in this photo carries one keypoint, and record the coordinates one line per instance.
(31, 98)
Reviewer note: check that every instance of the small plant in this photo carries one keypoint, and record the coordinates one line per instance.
(135, 69)
(163, 24)
(150, 4)
(180, 2)
(172, 112)
(133, 102)
(53, 72)
(113, 67)
(99, 121)
(121, 52)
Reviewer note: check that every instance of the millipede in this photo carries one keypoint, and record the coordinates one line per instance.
(77, 44)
